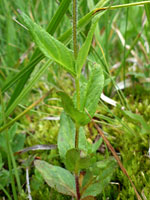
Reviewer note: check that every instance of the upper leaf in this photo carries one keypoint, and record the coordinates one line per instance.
(79, 117)
(91, 91)
(56, 177)
(50, 47)
(83, 52)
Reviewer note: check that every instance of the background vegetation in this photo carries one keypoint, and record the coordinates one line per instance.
(121, 46)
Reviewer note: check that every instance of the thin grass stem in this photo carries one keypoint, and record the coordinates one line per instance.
(8, 151)
(121, 6)
(5, 192)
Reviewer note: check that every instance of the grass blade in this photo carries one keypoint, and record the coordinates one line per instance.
(147, 9)
(27, 88)
(97, 10)
(24, 112)
(37, 55)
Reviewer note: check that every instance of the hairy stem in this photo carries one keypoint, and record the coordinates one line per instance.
(75, 28)
(77, 137)
(75, 48)
(77, 186)
(78, 92)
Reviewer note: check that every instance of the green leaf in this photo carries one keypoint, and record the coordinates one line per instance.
(88, 198)
(83, 52)
(66, 136)
(82, 140)
(91, 94)
(102, 171)
(37, 57)
(56, 177)
(50, 47)
(80, 118)
(72, 159)
(76, 160)
(96, 188)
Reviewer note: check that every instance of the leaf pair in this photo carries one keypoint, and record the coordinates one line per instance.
(89, 96)
(64, 182)
(56, 50)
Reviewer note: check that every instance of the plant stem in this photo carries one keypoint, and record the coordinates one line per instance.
(75, 28)
(77, 137)
(75, 48)
(78, 92)
(77, 186)
(75, 56)
(10, 165)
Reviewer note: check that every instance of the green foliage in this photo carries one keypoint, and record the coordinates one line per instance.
(76, 160)
(50, 46)
(79, 117)
(84, 50)
(91, 94)
(103, 171)
(16, 140)
(4, 177)
(86, 160)
(57, 177)
(66, 136)
(140, 119)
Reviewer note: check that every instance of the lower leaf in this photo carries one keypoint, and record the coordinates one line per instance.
(56, 177)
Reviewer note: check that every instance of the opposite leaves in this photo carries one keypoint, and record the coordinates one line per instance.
(89, 96)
